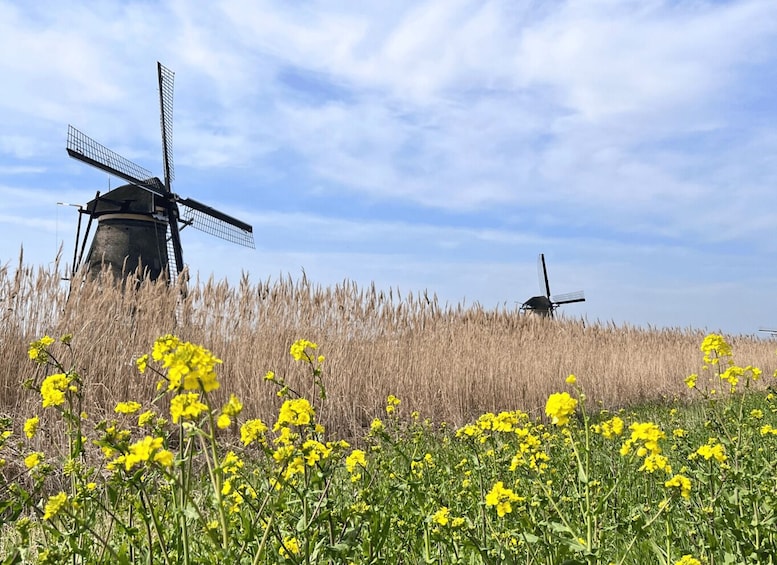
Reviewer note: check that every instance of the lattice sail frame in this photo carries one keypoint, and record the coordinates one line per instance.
(191, 213)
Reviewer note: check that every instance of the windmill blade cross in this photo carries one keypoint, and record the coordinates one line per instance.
(166, 78)
(213, 222)
(82, 147)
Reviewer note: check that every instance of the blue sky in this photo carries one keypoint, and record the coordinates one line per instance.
(436, 145)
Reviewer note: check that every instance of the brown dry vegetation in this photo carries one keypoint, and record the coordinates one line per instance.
(451, 363)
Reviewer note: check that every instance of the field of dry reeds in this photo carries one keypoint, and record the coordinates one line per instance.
(449, 362)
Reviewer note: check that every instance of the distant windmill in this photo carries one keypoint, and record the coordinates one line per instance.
(544, 305)
(139, 224)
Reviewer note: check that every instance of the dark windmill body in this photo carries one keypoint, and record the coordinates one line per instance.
(139, 224)
(545, 305)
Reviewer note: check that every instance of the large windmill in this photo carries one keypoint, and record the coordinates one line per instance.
(139, 224)
(544, 305)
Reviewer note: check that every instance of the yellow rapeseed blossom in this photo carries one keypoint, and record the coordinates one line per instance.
(37, 349)
(31, 427)
(253, 430)
(571, 379)
(290, 546)
(33, 459)
(560, 407)
(189, 366)
(315, 451)
(356, 461)
(145, 418)
(186, 406)
(646, 433)
(376, 425)
(297, 349)
(231, 463)
(681, 482)
(713, 450)
(767, 429)
(142, 363)
(53, 388)
(294, 412)
(147, 449)
(229, 411)
(690, 380)
(54, 505)
(502, 498)
(609, 428)
(688, 560)
(391, 403)
(655, 462)
(127, 407)
(714, 348)
(442, 516)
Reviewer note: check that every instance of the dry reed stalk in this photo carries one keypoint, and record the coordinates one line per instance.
(450, 363)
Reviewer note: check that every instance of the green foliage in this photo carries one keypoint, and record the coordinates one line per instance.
(182, 479)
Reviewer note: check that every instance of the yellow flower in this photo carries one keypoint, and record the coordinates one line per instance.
(441, 516)
(690, 380)
(297, 349)
(147, 449)
(187, 406)
(502, 498)
(37, 350)
(252, 430)
(233, 407)
(682, 482)
(295, 412)
(269, 376)
(560, 407)
(767, 429)
(376, 425)
(33, 459)
(391, 404)
(713, 450)
(571, 379)
(54, 505)
(127, 407)
(688, 560)
(142, 363)
(714, 347)
(231, 463)
(646, 432)
(31, 427)
(53, 389)
(290, 546)
(356, 458)
(223, 421)
(654, 462)
(610, 428)
(189, 366)
(315, 451)
(145, 418)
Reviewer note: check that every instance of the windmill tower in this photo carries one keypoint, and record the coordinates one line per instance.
(139, 224)
(544, 305)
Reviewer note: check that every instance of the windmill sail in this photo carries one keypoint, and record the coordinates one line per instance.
(213, 222)
(82, 147)
(568, 298)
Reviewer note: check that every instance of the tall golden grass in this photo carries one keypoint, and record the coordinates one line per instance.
(449, 362)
